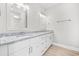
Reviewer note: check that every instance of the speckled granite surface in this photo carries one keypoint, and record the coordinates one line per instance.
(8, 38)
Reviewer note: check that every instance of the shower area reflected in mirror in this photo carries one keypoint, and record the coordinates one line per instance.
(17, 14)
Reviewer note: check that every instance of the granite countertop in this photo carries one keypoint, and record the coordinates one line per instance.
(8, 38)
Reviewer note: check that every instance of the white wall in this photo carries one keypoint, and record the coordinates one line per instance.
(66, 33)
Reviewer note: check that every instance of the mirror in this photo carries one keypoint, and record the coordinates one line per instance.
(17, 15)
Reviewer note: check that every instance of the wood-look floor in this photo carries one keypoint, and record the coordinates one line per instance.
(60, 51)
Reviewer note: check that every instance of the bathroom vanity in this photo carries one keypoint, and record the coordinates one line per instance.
(25, 43)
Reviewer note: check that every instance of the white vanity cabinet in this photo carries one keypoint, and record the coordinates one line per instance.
(20, 48)
(40, 44)
(33, 46)
(45, 43)
(3, 50)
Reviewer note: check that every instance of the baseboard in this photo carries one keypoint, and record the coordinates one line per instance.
(67, 47)
(46, 50)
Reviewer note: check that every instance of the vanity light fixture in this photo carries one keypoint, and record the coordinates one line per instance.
(42, 15)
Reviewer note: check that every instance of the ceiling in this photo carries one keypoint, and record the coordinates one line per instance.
(47, 5)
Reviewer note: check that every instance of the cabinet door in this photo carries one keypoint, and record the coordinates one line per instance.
(3, 50)
(35, 47)
(19, 48)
